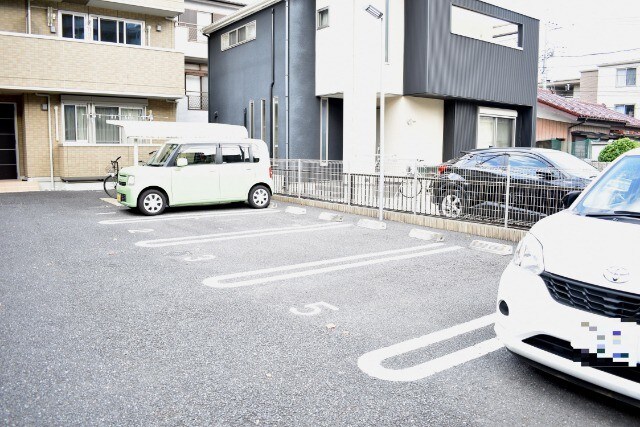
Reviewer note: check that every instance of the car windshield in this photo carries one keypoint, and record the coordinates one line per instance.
(618, 191)
(571, 164)
(161, 157)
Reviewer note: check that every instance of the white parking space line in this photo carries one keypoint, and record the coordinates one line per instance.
(309, 268)
(245, 234)
(175, 217)
(371, 363)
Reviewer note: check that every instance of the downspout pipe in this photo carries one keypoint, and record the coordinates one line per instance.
(208, 36)
(273, 78)
(28, 16)
(286, 80)
(53, 185)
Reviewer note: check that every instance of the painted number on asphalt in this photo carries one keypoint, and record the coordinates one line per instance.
(314, 309)
(198, 258)
(143, 230)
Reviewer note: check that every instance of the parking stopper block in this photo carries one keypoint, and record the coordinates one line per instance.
(328, 216)
(372, 224)
(491, 247)
(416, 233)
(295, 211)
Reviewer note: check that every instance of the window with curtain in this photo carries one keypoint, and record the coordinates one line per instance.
(495, 132)
(75, 122)
(626, 77)
(106, 133)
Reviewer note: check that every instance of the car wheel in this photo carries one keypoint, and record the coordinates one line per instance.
(259, 197)
(452, 203)
(152, 202)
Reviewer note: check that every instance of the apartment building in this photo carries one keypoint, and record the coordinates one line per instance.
(68, 67)
(305, 76)
(615, 85)
(194, 106)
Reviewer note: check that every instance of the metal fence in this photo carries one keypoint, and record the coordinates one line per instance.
(511, 197)
(198, 100)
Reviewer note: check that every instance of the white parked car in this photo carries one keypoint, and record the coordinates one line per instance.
(570, 300)
(199, 172)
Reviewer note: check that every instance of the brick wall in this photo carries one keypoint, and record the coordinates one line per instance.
(13, 18)
(73, 161)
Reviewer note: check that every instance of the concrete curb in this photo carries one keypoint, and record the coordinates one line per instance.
(295, 211)
(416, 233)
(328, 216)
(476, 229)
(372, 224)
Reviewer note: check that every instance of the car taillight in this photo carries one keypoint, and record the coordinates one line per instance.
(270, 172)
(442, 169)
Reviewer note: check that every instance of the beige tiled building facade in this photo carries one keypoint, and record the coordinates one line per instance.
(68, 67)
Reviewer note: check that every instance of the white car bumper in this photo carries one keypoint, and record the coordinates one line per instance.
(533, 312)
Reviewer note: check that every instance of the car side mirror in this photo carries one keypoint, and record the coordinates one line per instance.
(181, 162)
(569, 198)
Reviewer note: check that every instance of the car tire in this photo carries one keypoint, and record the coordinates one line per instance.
(452, 203)
(152, 202)
(259, 197)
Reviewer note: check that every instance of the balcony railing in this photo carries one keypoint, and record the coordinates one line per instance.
(198, 100)
(194, 32)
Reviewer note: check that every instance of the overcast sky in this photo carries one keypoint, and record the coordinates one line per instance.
(580, 28)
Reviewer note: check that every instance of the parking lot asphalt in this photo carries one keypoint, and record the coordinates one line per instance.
(231, 316)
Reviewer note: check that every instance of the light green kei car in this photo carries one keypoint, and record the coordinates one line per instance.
(191, 173)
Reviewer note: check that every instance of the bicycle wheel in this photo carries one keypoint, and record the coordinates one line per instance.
(406, 189)
(110, 186)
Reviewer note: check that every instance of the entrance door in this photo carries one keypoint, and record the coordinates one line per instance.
(8, 149)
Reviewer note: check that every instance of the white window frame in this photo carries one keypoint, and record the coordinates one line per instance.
(64, 126)
(626, 72)
(87, 29)
(91, 124)
(250, 36)
(497, 113)
(324, 156)
(318, 13)
(118, 20)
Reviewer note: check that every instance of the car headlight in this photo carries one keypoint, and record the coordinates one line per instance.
(131, 180)
(528, 254)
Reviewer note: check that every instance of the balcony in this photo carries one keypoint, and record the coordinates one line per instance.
(148, 7)
(198, 101)
(191, 41)
(56, 65)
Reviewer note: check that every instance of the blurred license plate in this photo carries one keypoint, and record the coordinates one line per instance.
(119, 197)
(609, 339)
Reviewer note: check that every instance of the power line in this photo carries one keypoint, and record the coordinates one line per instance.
(597, 53)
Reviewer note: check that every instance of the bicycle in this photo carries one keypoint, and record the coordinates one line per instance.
(111, 180)
(407, 189)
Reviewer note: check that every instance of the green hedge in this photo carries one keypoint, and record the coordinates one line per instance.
(615, 149)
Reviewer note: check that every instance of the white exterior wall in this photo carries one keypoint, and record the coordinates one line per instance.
(348, 62)
(414, 128)
(196, 52)
(611, 95)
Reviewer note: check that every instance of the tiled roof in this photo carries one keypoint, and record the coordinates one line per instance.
(585, 110)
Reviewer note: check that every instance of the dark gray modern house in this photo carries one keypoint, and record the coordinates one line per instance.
(306, 77)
